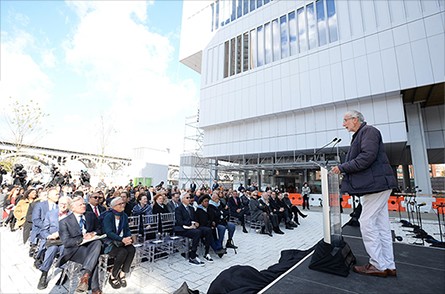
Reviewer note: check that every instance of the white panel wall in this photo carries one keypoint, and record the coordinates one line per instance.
(384, 46)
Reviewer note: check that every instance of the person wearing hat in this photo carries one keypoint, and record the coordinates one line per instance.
(207, 220)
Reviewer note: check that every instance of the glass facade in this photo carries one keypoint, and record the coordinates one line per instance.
(306, 28)
(232, 10)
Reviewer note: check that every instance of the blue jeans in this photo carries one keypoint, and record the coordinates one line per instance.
(218, 243)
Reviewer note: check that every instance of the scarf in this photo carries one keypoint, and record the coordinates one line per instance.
(202, 207)
(216, 204)
(121, 223)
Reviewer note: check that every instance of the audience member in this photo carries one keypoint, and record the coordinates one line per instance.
(187, 227)
(305, 190)
(237, 209)
(119, 242)
(78, 232)
(50, 236)
(220, 216)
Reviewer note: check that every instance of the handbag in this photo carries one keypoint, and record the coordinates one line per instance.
(114, 243)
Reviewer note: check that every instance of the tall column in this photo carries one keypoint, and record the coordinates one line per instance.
(406, 179)
(416, 140)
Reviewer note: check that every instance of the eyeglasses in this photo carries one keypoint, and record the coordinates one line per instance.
(95, 197)
(123, 203)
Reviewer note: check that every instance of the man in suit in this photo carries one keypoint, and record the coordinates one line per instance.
(193, 186)
(187, 227)
(237, 209)
(174, 202)
(74, 230)
(50, 231)
(39, 213)
(93, 204)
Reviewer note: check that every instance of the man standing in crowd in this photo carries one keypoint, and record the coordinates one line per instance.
(367, 174)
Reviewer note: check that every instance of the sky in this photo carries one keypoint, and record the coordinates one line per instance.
(99, 69)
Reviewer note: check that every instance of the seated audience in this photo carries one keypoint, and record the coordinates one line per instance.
(237, 209)
(187, 226)
(293, 210)
(21, 211)
(50, 235)
(220, 216)
(119, 242)
(205, 219)
(78, 232)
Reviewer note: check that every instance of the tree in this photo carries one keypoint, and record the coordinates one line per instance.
(24, 120)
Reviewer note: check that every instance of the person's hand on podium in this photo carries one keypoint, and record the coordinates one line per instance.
(336, 170)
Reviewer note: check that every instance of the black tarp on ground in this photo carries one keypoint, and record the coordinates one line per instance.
(246, 279)
(419, 269)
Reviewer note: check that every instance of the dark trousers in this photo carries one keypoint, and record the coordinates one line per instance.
(206, 233)
(193, 234)
(240, 216)
(123, 257)
(88, 255)
(296, 212)
(305, 201)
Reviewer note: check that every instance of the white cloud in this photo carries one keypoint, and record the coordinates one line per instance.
(115, 67)
(126, 64)
(22, 77)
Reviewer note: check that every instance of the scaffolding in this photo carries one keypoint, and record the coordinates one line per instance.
(194, 167)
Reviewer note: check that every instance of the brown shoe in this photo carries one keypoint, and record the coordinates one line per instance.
(83, 283)
(96, 291)
(391, 272)
(370, 270)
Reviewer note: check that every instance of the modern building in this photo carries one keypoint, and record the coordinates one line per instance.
(277, 77)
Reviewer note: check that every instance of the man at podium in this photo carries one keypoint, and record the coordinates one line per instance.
(368, 174)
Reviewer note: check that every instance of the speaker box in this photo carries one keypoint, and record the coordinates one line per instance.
(332, 259)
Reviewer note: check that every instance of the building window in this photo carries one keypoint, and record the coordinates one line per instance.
(238, 54)
(268, 43)
(293, 34)
(332, 20)
(246, 51)
(232, 57)
(217, 14)
(239, 9)
(284, 35)
(260, 39)
(298, 31)
(302, 30)
(321, 20)
(311, 24)
(259, 3)
(276, 40)
(226, 59)
(252, 5)
(233, 14)
(253, 49)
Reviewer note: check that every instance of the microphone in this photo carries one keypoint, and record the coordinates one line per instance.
(332, 149)
(421, 204)
(333, 140)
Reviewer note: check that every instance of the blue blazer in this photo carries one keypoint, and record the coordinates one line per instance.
(109, 227)
(38, 216)
(50, 224)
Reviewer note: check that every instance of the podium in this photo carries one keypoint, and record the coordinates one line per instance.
(332, 254)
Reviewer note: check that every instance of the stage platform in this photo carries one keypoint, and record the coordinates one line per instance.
(419, 270)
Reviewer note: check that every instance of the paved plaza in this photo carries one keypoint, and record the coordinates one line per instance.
(165, 276)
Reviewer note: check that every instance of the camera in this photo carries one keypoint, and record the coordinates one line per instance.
(84, 177)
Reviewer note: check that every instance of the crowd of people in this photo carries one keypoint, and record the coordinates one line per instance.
(64, 222)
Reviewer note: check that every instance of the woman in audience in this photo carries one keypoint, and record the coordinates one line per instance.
(21, 211)
(159, 204)
(9, 206)
(119, 242)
